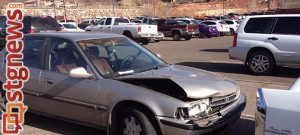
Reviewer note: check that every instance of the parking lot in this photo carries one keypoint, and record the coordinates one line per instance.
(209, 54)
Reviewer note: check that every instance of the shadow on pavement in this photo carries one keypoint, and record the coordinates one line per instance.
(242, 127)
(214, 50)
(51, 125)
(240, 69)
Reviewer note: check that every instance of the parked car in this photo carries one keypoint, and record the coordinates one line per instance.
(266, 41)
(70, 27)
(221, 26)
(277, 111)
(208, 31)
(177, 29)
(31, 24)
(159, 37)
(140, 33)
(233, 25)
(109, 82)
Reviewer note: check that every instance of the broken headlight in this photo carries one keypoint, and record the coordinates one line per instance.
(196, 110)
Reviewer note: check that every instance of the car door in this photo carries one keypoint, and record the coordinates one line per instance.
(63, 96)
(107, 27)
(32, 59)
(285, 36)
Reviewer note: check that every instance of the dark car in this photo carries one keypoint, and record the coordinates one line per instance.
(31, 24)
(204, 30)
(208, 31)
(177, 29)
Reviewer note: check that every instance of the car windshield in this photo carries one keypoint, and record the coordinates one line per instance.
(114, 57)
(69, 26)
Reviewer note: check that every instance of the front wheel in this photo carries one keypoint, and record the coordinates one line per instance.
(232, 32)
(176, 36)
(135, 122)
(260, 63)
(189, 37)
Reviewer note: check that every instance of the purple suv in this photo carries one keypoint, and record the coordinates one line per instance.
(208, 31)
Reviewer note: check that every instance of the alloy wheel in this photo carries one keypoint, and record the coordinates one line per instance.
(260, 63)
(131, 126)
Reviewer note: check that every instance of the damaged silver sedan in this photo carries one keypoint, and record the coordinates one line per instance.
(109, 82)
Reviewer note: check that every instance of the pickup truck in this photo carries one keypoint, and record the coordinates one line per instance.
(176, 29)
(278, 111)
(119, 25)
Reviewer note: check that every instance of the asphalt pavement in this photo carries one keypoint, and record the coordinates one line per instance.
(209, 54)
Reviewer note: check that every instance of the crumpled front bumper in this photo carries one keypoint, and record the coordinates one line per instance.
(218, 124)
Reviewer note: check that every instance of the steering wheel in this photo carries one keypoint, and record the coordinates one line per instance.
(126, 60)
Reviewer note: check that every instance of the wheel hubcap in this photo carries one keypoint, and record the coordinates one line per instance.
(131, 126)
(176, 36)
(260, 63)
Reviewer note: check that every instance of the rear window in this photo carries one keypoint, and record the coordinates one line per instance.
(119, 20)
(287, 25)
(209, 23)
(44, 22)
(259, 25)
(222, 22)
(229, 22)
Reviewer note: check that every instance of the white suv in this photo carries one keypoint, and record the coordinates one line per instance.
(263, 42)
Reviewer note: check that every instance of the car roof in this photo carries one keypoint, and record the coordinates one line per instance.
(274, 15)
(76, 36)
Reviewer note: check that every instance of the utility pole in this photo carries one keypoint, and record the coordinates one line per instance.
(223, 7)
(65, 10)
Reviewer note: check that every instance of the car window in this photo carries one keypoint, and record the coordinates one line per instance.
(171, 22)
(120, 20)
(259, 25)
(64, 56)
(43, 22)
(209, 23)
(181, 23)
(195, 22)
(32, 51)
(116, 56)
(70, 26)
(159, 22)
(287, 25)
(229, 22)
(108, 21)
(145, 20)
(2, 23)
(222, 22)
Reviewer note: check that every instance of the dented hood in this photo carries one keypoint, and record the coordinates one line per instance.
(196, 83)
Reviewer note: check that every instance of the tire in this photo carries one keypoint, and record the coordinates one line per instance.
(134, 118)
(232, 32)
(261, 63)
(222, 34)
(145, 41)
(128, 34)
(189, 37)
(3, 101)
(157, 41)
(208, 36)
(176, 36)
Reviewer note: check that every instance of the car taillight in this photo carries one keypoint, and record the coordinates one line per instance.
(235, 40)
(187, 28)
(60, 29)
(139, 29)
(30, 31)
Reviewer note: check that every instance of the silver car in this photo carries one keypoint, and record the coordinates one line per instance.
(110, 82)
(266, 41)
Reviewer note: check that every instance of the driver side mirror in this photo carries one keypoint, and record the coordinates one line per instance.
(79, 72)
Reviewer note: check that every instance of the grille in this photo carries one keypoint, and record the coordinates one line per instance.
(219, 103)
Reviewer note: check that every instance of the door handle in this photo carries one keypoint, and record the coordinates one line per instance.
(109, 27)
(101, 27)
(48, 81)
(272, 38)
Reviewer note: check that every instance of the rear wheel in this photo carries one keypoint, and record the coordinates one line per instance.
(261, 63)
(145, 41)
(176, 36)
(128, 34)
(189, 37)
(232, 32)
(133, 121)
(222, 34)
